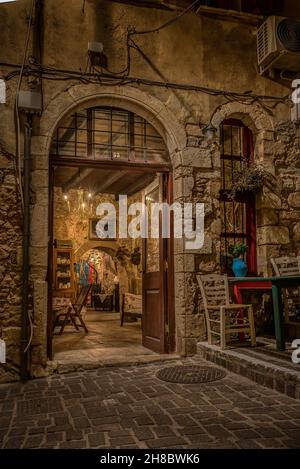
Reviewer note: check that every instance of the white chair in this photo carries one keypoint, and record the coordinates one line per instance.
(222, 317)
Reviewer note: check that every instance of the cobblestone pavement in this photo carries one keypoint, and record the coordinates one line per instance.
(128, 407)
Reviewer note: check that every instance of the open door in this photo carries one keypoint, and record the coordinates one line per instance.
(155, 305)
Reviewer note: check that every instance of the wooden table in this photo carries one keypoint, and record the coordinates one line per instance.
(275, 284)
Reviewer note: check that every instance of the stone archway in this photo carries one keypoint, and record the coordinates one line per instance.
(254, 117)
(268, 202)
(107, 246)
(63, 104)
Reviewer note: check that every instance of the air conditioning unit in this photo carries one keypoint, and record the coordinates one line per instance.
(278, 44)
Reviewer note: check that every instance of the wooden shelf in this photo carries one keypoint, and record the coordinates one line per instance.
(63, 272)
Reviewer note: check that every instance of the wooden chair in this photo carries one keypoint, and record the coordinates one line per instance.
(72, 312)
(223, 318)
(131, 306)
(288, 267)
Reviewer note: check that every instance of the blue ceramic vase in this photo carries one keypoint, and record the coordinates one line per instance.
(239, 267)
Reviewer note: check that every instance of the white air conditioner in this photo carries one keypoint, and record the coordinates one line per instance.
(278, 44)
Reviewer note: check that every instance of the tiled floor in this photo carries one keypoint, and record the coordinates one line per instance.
(129, 407)
(106, 340)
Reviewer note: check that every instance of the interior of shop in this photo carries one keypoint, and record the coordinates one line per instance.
(106, 269)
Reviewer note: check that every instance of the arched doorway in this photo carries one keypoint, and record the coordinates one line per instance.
(98, 155)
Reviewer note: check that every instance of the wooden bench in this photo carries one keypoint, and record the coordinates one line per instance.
(132, 306)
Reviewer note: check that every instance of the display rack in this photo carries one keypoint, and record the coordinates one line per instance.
(63, 271)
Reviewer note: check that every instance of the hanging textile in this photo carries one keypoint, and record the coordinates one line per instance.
(83, 271)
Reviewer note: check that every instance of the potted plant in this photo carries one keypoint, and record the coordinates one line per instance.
(239, 266)
(249, 179)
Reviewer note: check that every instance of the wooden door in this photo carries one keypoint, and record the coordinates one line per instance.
(154, 318)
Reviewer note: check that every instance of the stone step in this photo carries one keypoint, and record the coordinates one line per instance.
(261, 364)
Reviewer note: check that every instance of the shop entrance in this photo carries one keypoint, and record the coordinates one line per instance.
(108, 297)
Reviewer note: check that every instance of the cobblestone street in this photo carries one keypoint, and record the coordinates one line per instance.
(128, 407)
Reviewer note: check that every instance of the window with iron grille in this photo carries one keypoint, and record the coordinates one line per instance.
(108, 134)
(238, 215)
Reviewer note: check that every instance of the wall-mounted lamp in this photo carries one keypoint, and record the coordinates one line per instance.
(96, 54)
(209, 132)
(198, 134)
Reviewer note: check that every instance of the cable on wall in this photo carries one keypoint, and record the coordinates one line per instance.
(18, 129)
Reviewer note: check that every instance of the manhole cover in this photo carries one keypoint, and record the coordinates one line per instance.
(190, 374)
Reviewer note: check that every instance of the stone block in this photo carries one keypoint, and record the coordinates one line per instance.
(38, 256)
(187, 346)
(294, 200)
(39, 226)
(40, 179)
(196, 158)
(268, 200)
(296, 232)
(273, 235)
(267, 217)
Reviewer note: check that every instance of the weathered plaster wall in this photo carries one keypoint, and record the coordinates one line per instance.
(199, 50)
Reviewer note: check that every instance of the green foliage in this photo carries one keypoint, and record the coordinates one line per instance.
(248, 180)
(237, 250)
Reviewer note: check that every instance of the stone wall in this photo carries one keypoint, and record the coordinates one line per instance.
(195, 50)
(10, 266)
(278, 206)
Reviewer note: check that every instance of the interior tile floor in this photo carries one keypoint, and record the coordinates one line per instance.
(106, 340)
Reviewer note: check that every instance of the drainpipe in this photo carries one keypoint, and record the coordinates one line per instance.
(26, 235)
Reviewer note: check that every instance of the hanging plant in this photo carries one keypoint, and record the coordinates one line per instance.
(249, 179)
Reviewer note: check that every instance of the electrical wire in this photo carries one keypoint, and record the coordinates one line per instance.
(50, 73)
(168, 23)
(131, 31)
(18, 141)
(18, 129)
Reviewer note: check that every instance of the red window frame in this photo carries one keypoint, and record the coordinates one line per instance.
(248, 200)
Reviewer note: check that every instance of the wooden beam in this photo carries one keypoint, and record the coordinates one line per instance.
(112, 164)
(169, 5)
(105, 184)
(77, 178)
(138, 184)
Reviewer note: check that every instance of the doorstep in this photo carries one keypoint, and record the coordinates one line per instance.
(67, 366)
(261, 364)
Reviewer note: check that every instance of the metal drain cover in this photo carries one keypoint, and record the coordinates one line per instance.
(190, 374)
